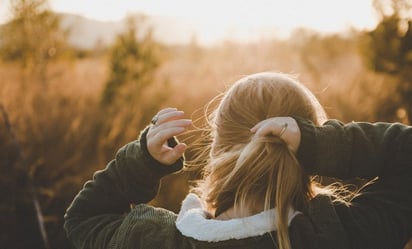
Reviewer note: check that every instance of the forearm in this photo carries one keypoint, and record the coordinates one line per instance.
(355, 149)
(132, 177)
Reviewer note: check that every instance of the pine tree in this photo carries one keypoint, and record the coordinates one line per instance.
(33, 36)
(133, 62)
(129, 97)
(30, 40)
(389, 51)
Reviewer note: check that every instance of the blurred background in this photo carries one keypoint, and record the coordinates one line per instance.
(78, 79)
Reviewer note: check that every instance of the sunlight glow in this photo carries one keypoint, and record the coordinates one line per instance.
(238, 19)
(321, 14)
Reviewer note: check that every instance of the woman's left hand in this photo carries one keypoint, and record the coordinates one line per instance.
(168, 123)
(285, 127)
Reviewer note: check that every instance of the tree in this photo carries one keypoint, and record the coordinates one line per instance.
(388, 51)
(30, 40)
(132, 62)
(129, 97)
(33, 37)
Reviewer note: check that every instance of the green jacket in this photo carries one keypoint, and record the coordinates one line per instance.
(379, 218)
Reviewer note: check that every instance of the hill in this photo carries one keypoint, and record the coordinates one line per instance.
(86, 33)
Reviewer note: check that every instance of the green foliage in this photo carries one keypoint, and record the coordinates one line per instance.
(388, 50)
(132, 62)
(392, 47)
(30, 41)
(131, 94)
(33, 36)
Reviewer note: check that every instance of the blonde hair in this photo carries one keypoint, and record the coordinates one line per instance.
(242, 170)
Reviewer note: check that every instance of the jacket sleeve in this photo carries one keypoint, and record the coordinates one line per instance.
(97, 211)
(381, 215)
(356, 149)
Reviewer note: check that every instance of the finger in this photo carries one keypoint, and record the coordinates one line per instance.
(173, 123)
(258, 125)
(266, 129)
(172, 115)
(163, 135)
(175, 153)
(161, 112)
(154, 130)
(274, 120)
(166, 110)
(274, 126)
(158, 134)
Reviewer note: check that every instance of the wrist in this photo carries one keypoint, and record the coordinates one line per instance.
(306, 152)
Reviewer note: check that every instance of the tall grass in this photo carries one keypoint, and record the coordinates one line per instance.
(65, 135)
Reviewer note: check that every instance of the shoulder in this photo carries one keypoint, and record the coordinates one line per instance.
(145, 212)
(146, 217)
(147, 227)
(321, 226)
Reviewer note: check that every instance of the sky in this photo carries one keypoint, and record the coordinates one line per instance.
(235, 18)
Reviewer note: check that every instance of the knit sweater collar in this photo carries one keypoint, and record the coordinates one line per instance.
(193, 222)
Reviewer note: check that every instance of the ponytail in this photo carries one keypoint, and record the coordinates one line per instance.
(290, 193)
(262, 171)
(256, 173)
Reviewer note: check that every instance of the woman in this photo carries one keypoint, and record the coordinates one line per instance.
(256, 191)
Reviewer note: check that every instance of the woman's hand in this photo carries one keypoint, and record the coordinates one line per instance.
(167, 123)
(284, 127)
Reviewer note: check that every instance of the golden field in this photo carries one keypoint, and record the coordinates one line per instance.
(64, 134)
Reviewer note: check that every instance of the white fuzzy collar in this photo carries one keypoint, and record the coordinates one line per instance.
(193, 222)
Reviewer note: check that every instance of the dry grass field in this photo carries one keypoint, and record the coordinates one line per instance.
(65, 135)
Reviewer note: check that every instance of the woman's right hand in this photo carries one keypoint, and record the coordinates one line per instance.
(284, 127)
(168, 123)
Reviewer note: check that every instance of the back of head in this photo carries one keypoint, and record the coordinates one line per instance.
(255, 98)
(252, 173)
